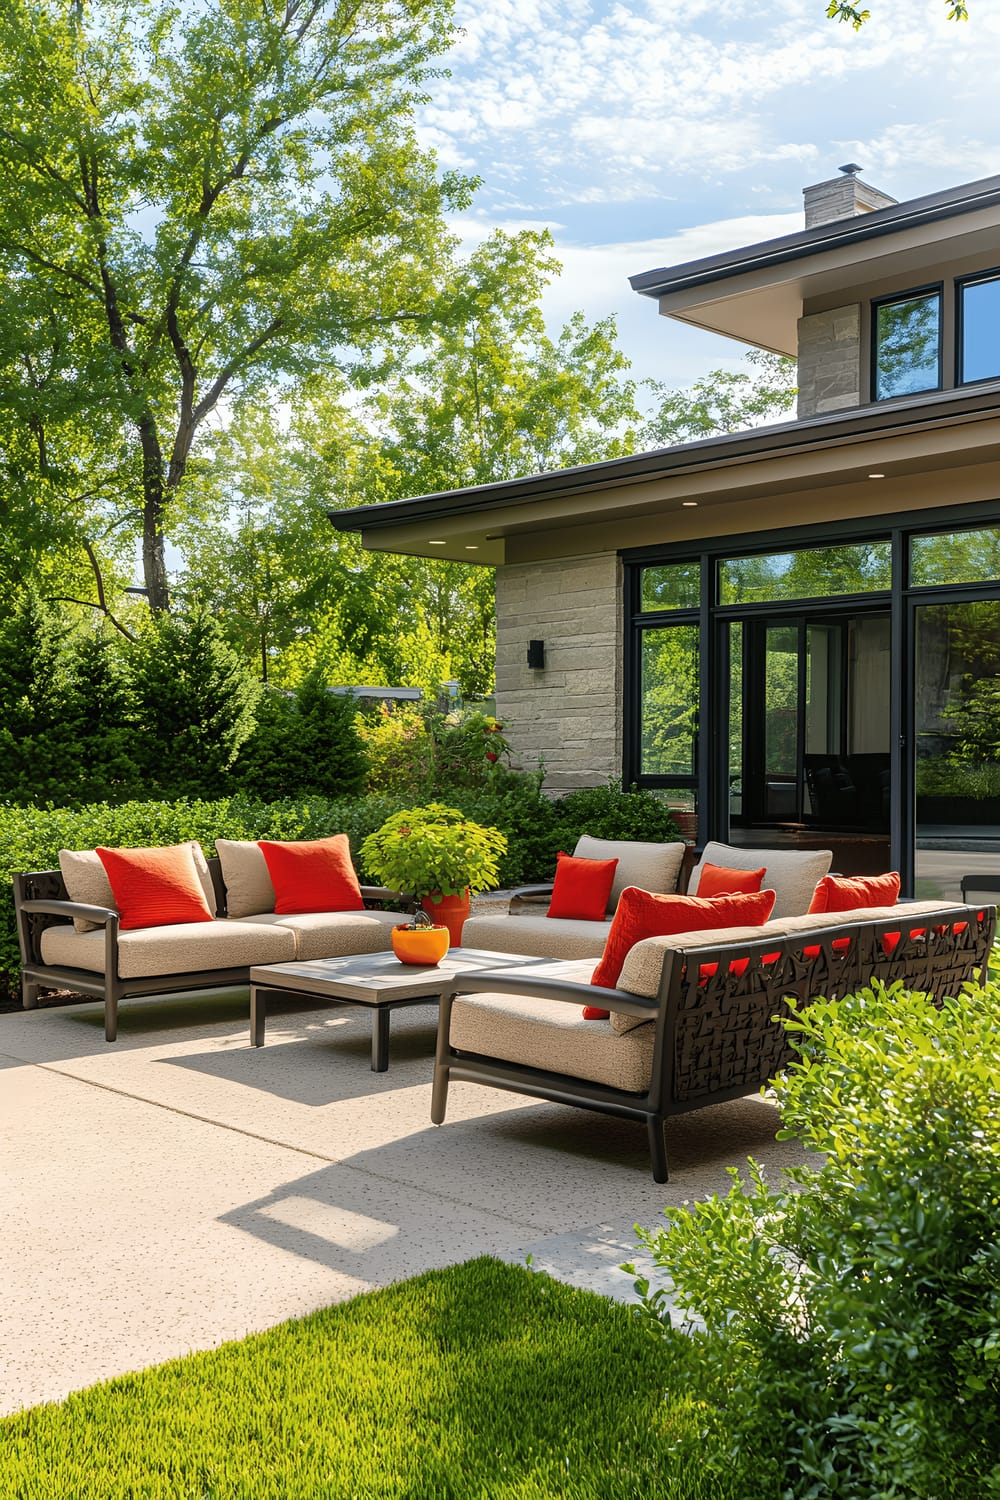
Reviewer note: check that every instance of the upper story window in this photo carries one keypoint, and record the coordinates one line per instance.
(906, 333)
(979, 327)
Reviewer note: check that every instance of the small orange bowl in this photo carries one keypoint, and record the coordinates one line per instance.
(420, 945)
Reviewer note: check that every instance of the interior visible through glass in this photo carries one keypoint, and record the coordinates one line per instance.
(907, 337)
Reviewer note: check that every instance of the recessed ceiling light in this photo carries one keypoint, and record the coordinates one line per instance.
(435, 544)
(876, 476)
(687, 503)
(472, 546)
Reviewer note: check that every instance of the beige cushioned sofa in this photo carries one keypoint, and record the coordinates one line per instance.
(70, 937)
(791, 873)
(692, 1019)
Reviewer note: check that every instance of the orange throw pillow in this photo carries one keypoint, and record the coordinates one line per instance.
(155, 887)
(582, 888)
(312, 875)
(641, 914)
(850, 893)
(718, 880)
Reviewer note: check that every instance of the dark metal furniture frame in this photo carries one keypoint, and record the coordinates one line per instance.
(718, 1037)
(41, 900)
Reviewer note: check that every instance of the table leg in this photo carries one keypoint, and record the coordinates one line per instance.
(258, 1015)
(380, 1039)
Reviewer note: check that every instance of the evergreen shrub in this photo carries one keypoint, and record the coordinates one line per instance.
(856, 1313)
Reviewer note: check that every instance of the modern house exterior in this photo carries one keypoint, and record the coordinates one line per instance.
(793, 633)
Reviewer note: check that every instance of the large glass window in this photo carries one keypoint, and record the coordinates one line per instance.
(813, 573)
(907, 338)
(671, 586)
(979, 313)
(669, 701)
(956, 557)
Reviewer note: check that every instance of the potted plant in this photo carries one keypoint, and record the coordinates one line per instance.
(440, 856)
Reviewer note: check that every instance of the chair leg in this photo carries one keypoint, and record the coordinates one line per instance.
(110, 1018)
(29, 994)
(657, 1148)
(439, 1089)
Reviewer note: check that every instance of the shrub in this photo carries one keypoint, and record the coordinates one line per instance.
(303, 744)
(608, 812)
(398, 745)
(857, 1318)
(194, 706)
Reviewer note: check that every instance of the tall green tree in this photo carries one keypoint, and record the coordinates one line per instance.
(722, 401)
(199, 200)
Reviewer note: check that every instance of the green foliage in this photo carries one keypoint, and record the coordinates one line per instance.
(304, 743)
(478, 1380)
(840, 10)
(434, 848)
(942, 776)
(193, 704)
(399, 748)
(858, 1313)
(722, 401)
(608, 812)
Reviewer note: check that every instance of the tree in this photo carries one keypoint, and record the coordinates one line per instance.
(304, 743)
(198, 202)
(839, 10)
(722, 401)
(194, 706)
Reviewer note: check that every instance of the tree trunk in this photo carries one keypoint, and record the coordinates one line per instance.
(154, 562)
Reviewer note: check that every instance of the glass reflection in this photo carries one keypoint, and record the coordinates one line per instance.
(907, 346)
(981, 329)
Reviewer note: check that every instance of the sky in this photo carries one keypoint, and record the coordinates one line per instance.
(647, 133)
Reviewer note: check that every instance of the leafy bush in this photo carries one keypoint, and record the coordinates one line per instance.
(940, 776)
(399, 748)
(607, 812)
(434, 849)
(857, 1318)
(303, 744)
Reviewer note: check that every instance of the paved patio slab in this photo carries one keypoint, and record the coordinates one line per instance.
(179, 1188)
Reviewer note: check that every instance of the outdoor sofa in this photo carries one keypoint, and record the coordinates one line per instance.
(692, 1018)
(76, 944)
(662, 868)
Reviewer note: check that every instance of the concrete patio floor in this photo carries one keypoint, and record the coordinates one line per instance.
(179, 1188)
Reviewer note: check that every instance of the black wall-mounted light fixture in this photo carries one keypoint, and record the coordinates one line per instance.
(536, 654)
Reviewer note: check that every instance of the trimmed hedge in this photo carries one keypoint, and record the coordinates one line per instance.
(536, 828)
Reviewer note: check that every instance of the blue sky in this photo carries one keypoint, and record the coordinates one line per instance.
(649, 132)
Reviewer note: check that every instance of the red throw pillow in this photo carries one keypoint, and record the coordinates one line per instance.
(155, 887)
(582, 888)
(312, 875)
(641, 914)
(718, 880)
(850, 893)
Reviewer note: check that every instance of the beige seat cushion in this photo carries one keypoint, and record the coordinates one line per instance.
(552, 1035)
(87, 880)
(652, 867)
(790, 873)
(185, 948)
(335, 934)
(536, 936)
(244, 871)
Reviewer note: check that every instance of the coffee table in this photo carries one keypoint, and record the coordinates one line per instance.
(376, 980)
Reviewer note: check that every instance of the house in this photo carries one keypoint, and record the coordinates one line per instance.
(793, 633)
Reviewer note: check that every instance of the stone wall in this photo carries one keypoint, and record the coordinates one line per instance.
(829, 361)
(568, 713)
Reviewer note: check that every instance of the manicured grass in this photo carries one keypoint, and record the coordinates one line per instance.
(482, 1381)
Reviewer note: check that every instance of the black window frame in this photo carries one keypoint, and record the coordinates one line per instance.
(932, 289)
(974, 278)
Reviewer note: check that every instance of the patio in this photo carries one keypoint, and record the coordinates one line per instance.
(184, 1188)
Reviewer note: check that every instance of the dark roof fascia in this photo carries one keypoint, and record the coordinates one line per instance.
(833, 236)
(835, 429)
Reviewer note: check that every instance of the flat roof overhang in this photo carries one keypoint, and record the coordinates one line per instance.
(756, 294)
(951, 429)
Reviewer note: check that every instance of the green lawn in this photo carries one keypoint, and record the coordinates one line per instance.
(482, 1381)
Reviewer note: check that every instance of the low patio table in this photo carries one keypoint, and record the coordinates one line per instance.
(376, 980)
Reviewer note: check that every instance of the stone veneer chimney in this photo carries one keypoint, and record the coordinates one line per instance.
(830, 341)
(842, 197)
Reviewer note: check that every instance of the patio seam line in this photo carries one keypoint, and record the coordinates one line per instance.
(253, 1135)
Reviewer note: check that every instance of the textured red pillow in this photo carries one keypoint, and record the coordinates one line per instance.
(582, 888)
(155, 887)
(850, 893)
(312, 875)
(641, 914)
(718, 880)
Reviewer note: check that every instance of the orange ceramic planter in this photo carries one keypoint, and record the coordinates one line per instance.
(451, 910)
(420, 945)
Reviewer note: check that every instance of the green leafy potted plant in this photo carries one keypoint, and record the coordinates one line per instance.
(439, 855)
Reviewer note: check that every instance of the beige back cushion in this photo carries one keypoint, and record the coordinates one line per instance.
(790, 873)
(248, 885)
(87, 880)
(652, 867)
